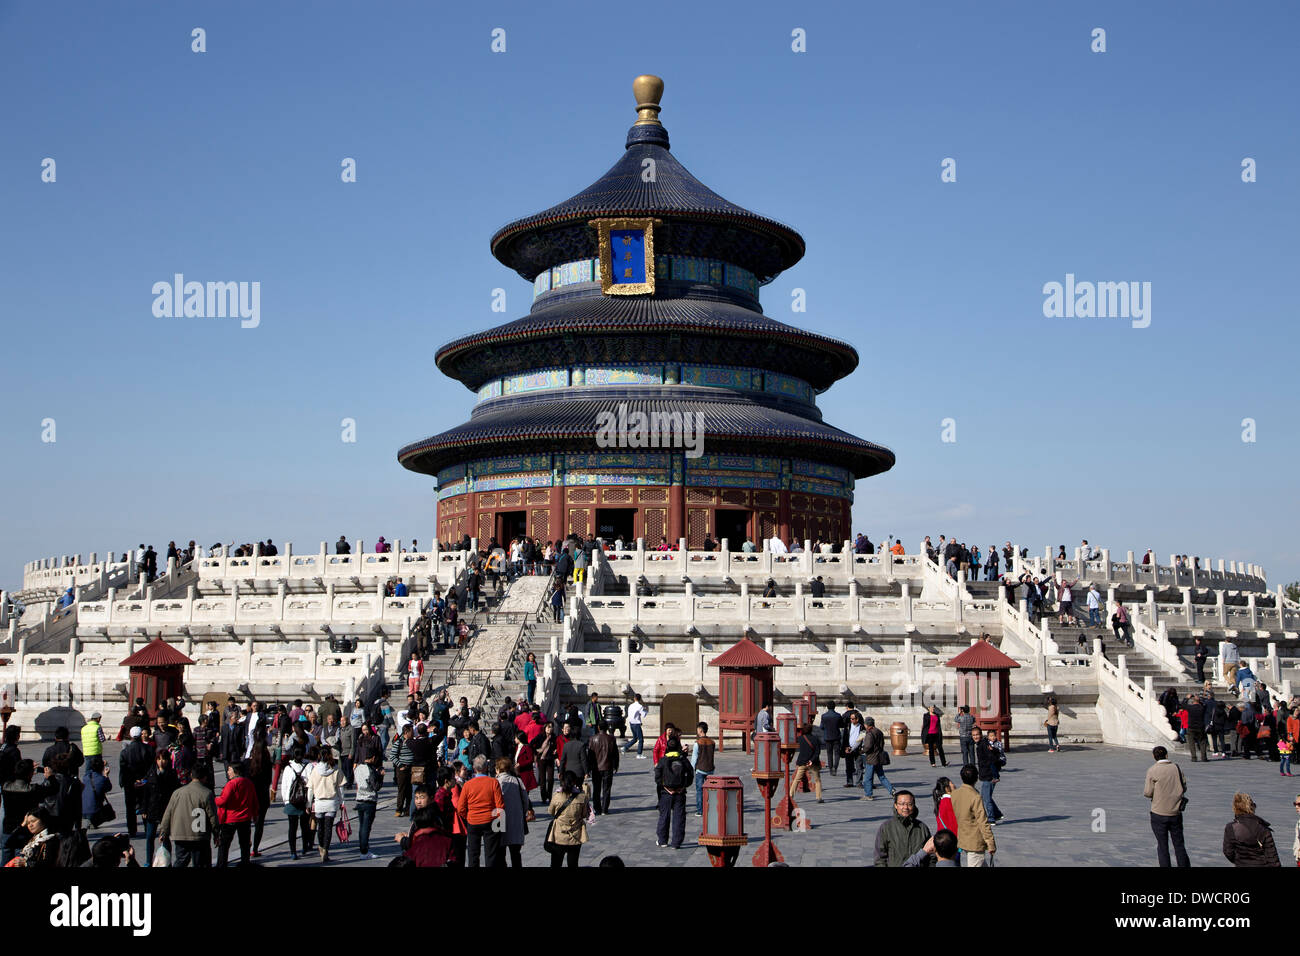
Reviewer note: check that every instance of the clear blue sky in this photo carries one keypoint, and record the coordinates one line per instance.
(225, 166)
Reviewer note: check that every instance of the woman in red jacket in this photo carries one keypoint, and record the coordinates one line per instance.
(944, 817)
(236, 811)
(524, 761)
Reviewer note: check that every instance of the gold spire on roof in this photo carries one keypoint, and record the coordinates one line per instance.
(647, 89)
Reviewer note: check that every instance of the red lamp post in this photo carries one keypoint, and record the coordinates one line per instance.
(802, 713)
(811, 697)
(724, 819)
(787, 731)
(767, 775)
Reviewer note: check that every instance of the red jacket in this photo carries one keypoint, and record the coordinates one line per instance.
(946, 818)
(237, 801)
(660, 748)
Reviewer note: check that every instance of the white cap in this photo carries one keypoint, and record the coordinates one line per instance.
(135, 731)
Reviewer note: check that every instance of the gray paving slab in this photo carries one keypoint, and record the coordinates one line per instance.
(1080, 807)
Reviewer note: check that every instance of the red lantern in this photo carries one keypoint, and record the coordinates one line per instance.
(812, 702)
(801, 712)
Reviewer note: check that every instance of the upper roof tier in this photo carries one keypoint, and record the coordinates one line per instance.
(697, 221)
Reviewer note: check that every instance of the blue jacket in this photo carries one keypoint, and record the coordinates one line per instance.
(95, 792)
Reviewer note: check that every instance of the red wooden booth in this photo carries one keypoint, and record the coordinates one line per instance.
(984, 682)
(745, 673)
(157, 674)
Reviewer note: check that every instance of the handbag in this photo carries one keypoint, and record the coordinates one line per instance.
(103, 815)
(417, 773)
(343, 826)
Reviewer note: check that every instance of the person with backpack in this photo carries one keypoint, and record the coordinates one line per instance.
(294, 793)
(673, 776)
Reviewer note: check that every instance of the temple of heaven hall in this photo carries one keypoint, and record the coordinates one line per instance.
(645, 394)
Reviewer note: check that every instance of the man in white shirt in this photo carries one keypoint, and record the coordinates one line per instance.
(636, 713)
(1089, 554)
(777, 546)
(1094, 606)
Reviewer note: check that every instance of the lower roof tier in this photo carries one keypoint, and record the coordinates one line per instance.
(594, 424)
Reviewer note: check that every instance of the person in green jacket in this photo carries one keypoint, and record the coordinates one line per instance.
(902, 837)
(92, 736)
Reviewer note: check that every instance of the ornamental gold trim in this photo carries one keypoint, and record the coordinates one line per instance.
(607, 284)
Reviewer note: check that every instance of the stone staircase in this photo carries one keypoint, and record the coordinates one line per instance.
(483, 668)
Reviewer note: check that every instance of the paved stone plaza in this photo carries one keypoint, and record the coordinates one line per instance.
(1050, 802)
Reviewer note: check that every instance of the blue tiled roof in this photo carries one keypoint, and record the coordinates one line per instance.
(739, 424)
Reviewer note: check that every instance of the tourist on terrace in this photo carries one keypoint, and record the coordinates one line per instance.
(945, 818)
(236, 811)
(903, 840)
(636, 714)
(808, 762)
(831, 723)
(974, 828)
(1065, 592)
(874, 758)
(932, 733)
(1166, 788)
(988, 762)
(1248, 839)
(852, 738)
(1120, 623)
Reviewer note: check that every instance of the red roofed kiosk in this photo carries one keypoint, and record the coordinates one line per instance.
(984, 682)
(744, 685)
(157, 674)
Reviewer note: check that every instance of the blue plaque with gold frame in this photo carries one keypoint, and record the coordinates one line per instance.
(627, 256)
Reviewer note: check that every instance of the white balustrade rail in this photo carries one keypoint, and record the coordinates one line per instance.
(757, 566)
(1229, 575)
(798, 608)
(1140, 700)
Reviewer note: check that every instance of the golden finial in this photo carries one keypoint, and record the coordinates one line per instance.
(647, 89)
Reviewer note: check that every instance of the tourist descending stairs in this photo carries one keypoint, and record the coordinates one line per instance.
(495, 641)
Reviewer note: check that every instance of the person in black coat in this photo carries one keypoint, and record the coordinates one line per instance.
(62, 745)
(232, 741)
(133, 766)
(933, 741)
(160, 784)
(830, 725)
(478, 743)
